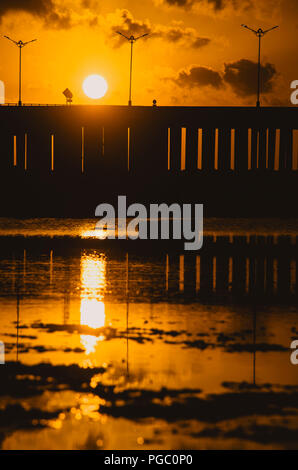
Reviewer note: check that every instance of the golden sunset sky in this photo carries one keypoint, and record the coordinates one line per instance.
(196, 53)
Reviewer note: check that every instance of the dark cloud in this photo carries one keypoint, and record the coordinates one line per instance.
(93, 5)
(126, 24)
(176, 34)
(35, 7)
(216, 5)
(242, 76)
(198, 77)
(59, 20)
(200, 42)
(52, 15)
(180, 3)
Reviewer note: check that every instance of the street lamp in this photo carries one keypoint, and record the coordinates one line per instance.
(259, 33)
(20, 45)
(132, 40)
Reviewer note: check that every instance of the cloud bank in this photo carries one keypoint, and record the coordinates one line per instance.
(241, 76)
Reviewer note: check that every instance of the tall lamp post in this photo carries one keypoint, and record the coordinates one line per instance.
(132, 40)
(259, 33)
(20, 45)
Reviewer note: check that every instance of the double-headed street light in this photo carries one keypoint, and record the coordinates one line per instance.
(132, 40)
(259, 33)
(20, 45)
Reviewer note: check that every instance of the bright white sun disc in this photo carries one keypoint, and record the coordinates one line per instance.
(95, 86)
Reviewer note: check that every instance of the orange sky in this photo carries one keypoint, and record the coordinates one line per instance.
(196, 54)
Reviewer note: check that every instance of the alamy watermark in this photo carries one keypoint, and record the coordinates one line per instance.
(294, 95)
(186, 221)
(294, 355)
(2, 353)
(2, 92)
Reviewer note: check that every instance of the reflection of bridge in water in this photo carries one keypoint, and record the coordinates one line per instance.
(228, 268)
(252, 270)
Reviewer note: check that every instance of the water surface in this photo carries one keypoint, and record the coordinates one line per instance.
(121, 346)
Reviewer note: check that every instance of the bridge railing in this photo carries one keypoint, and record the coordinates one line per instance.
(141, 140)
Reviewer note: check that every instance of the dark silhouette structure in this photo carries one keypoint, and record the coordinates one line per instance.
(65, 160)
(132, 40)
(259, 33)
(20, 45)
(68, 95)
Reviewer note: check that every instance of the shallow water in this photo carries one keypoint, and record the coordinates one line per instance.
(116, 347)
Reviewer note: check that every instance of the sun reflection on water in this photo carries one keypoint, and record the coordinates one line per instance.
(101, 234)
(92, 309)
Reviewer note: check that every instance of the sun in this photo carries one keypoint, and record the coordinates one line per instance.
(95, 86)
